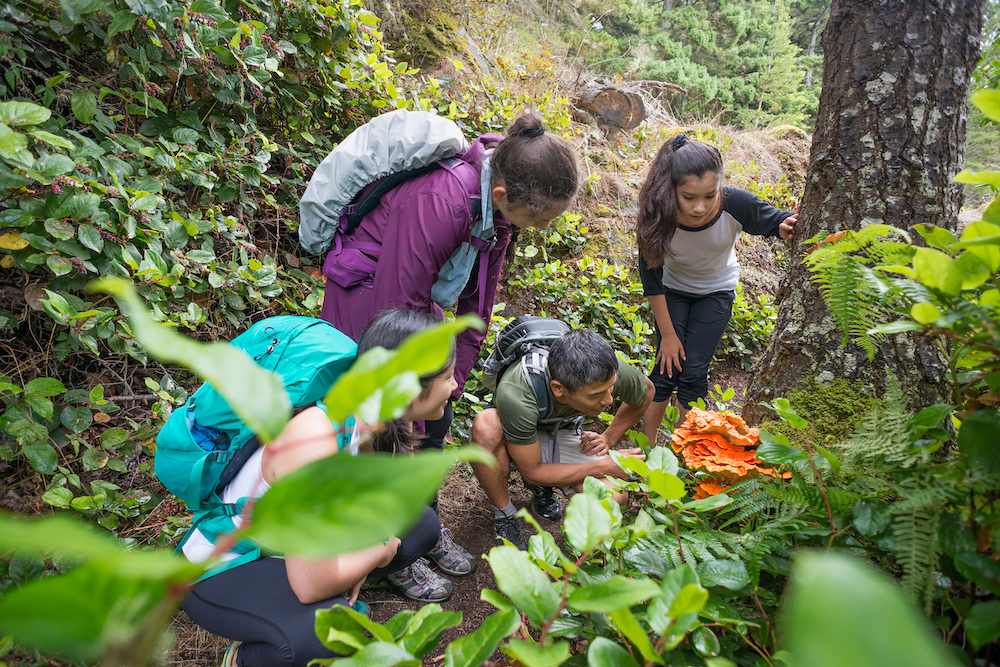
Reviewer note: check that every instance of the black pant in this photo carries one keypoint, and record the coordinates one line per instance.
(436, 431)
(699, 321)
(254, 603)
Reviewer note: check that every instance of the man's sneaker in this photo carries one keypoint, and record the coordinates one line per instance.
(510, 530)
(450, 557)
(544, 503)
(418, 582)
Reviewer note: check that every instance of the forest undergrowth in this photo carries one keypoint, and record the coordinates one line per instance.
(170, 148)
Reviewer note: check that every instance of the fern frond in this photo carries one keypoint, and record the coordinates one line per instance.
(850, 299)
(917, 549)
(881, 439)
(747, 502)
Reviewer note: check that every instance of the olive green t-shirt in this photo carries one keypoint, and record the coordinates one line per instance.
(517, 406)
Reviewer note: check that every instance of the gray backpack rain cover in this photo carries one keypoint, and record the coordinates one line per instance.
(397, 141)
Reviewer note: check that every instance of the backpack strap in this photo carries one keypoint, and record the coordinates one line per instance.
(533, 362)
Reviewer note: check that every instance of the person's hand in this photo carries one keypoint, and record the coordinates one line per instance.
(617, 471)
(355, 590)
(389, 551)
(594, 444)
(670, 354)
(787, 227)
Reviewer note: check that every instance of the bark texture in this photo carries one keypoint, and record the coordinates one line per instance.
(889, 138)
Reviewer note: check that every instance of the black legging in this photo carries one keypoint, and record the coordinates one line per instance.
(699, 321)
(436, 431)
(254, 603)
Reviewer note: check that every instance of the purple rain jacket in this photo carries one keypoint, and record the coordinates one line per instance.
(418, 225)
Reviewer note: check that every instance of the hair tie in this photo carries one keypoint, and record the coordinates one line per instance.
(680, 140)
(537, 132)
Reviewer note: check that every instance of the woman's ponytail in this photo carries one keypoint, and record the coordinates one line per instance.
(536, 167)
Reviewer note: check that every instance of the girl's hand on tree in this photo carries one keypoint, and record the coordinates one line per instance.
(787, 227)
(670, 354)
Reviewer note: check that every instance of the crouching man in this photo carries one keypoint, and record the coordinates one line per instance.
(584, 377)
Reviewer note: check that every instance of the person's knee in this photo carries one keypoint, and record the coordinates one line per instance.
(487, 431)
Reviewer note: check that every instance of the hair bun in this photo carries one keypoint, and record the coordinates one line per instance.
(680, 140)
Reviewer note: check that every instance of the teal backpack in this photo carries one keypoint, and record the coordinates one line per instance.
(203, 445)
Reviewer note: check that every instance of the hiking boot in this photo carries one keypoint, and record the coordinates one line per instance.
(510, 529)
(450, 557)
(418, 582)
(544, 503)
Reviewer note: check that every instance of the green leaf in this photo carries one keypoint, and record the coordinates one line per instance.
(841, 612)
(10, 140)
(53, 139)
(983, 624)
(91, 238)
(587, 522)
(988, 102)
(426, 628)
(991, 178)
(936, 237)
(530, 654)
(473, 650)
(974, 271)
(183, 135)
(925, 312)
(344, 503)
(122, 22)
(979, 441)
(605, 653)
(95, 459)
(55, 164)
(58, 496)
(97, 607)
(19, 114)
(616, 592)
(256, 396)
(342, 630)
(689, 600)
(901, 326)
(661, 458)
(871, 517)
(60, 266)
(145, 203)
(706, 644)
(937, 270)
(76, 419)
(79, 205)
(46, 387)
(60, 535)
(530, 589)
(731, 574)
(668, 486)
(775, 449)
(630, 627)
(25, 566)
(395, 373)
(42, 457)
(983, 240)
(380, 654)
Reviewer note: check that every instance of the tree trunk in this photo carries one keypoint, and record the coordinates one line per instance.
(814, 33)
(668, 6)
(889, 139)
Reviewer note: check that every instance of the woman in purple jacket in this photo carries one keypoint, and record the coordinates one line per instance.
(530, 178)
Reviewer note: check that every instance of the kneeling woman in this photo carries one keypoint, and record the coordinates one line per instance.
(268, 605)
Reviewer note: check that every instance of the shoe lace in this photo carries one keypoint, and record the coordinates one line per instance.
(447, 544)
(421, 573)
